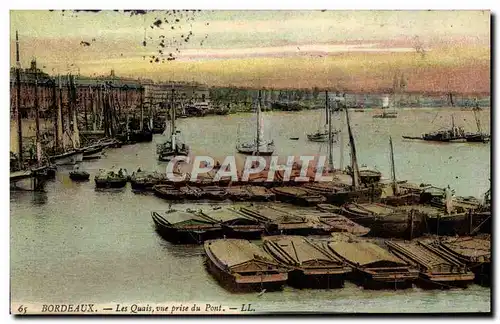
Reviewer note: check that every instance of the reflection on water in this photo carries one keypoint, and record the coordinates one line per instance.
(76, 244)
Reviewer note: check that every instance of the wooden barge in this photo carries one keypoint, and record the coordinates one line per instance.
(234, 223)
(279, 221)
(312, 265)
(386, 221)
(182, 227)
(298, 196)
(215, 193)
(110, 179)
(240, 265)
(373, 266)
(339, 194)
(437, 270)
(474, 251)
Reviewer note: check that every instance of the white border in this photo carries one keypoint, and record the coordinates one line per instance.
(200, 4)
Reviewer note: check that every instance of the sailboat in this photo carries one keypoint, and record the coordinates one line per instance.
(30, 175)
(172, 147)
(65, 154)
(479, 136)
(259, 146)
(323, 135)
(385, 109)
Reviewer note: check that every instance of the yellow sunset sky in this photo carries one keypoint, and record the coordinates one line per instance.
(351, 50)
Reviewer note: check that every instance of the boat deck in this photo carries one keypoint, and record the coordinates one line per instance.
(434, 266)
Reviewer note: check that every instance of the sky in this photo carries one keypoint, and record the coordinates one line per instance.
(352, 49)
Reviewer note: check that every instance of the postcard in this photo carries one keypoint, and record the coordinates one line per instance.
(222, 162)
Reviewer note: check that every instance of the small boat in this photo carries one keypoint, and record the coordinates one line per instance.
(452, 135)
(168, 192)
(235, 224)
(294, 138)
(259, 147)
(96, 156)
(67, 158)
(313, 265)
(142, 180)
(184, 227)
(241, 265)
(373, 266)
(111, 179)
(387, 114)
(479, 136)
(168, 151)
(298, 196)
(264, 148)
(172, 147)
(321, 137)
(92, 150)
(79, 175)
(436, 270)
(325, 134)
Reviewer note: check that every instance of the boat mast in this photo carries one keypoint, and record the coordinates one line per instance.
(258, 124)
(142, 109)
(56, 120)
(330, 144)
(18, 105)
(74, 132)
(172, 117)
(476, 117)
(395, 190)
(37, 120)
(60, 127)
(354, 160)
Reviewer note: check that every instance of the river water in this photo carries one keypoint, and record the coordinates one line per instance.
(74, 244)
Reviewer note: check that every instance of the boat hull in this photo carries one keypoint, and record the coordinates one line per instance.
(69, 158)
(110, 183)
(253, 283)
(302, 279)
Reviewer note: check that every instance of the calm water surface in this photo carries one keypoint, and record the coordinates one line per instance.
(76, 244)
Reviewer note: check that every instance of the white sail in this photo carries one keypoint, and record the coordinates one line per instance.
(385, 101)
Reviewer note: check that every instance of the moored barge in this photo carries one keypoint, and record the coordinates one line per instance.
(436, 269)
(279, 221)
(234, 223)
(183, 227)
(298, 196)
(241, 265)
(373, 266)
(313, 265)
